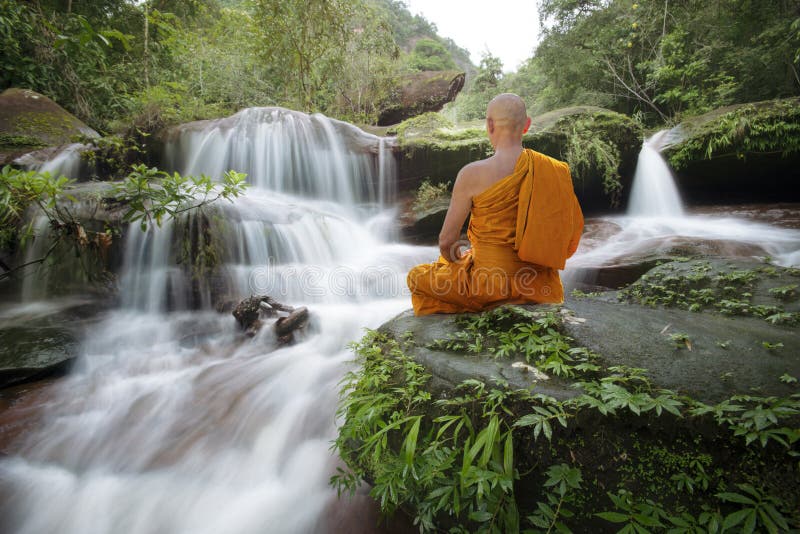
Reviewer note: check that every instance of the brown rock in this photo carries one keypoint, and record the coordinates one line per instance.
(420, 92)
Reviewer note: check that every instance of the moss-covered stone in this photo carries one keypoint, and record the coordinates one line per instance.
(746, 152)
(29, 120)
(680, 435)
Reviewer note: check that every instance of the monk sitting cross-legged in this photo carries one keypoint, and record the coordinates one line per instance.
(525, 222)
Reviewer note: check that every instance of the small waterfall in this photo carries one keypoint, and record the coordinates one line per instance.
(172, 423)
(654, 193)
(66, 162)
(286, 151)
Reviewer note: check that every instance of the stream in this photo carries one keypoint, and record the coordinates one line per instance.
(170, 424)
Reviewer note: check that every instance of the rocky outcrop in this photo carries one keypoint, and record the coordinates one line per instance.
(34, 352)
(421, 92)
(31, 121)
(746, 152)
(712, 354)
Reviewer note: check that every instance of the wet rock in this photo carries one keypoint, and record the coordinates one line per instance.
(250, 312)
(726, 354)
(29, 352)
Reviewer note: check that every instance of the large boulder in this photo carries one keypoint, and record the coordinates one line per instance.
(420, 92)
(31, 121)
(658, 398)
(746, 152)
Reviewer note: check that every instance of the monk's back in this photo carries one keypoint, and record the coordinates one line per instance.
(485, 173)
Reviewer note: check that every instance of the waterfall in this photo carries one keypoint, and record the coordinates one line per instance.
(66, 161)
(171, 421)
(654, 193)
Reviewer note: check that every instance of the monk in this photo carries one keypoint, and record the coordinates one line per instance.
(525, 222)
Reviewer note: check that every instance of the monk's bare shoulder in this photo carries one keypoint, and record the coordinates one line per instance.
(472, 176)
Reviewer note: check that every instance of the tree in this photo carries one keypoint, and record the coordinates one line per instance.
(429, 54)
(304, 41)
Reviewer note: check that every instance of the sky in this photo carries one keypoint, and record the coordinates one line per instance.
(508, 28)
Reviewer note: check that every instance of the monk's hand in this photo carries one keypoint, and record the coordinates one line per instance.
(453, 252)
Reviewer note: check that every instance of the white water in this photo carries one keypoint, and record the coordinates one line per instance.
(654, 193)
(656, 222)
(67, 162)
(172, 424)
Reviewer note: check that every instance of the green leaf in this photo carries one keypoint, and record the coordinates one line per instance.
(508, 455)
(614, 517)
(735, 518)
(736, 497)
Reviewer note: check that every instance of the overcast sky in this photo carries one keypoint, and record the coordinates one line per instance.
(508, 28)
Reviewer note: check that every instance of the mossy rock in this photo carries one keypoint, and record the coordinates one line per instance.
(431, 147)
(747, 152)
(29, 121)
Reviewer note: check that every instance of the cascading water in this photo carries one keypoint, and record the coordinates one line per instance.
(656, 223)
(170, 423)
(654, 193)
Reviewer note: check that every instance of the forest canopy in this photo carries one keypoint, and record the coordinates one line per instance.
(155, 62)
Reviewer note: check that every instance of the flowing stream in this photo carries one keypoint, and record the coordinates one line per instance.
(170, 424)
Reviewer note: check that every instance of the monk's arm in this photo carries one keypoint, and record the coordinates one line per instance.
(577, 228)
(460, 204)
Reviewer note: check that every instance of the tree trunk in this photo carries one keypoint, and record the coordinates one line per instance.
(146, 44)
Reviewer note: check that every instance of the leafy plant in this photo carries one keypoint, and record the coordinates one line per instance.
(758, 511)
(429, 195)
(561, 484)
(151, 195)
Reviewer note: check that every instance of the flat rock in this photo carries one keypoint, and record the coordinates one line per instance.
(28, 352)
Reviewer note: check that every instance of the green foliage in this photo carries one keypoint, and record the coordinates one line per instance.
(729, 293)
(562, 483)
(772, 127)
(414, 448)
(429, 195)
(18, 190)
(514, 332)
(758, 511)
(458, 462)
(152, 195)
(470, 104)
(429, 54)
(661, 59)
(586, 152)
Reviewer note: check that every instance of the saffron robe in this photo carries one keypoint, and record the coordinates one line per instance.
(533, 211)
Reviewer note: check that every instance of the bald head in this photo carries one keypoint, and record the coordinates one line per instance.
(507, 111)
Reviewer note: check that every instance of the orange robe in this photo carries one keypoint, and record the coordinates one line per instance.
(541, 218)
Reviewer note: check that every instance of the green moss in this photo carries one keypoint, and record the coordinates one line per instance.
(20, 141)
(757, 128)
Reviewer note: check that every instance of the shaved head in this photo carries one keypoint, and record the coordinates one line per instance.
(508, 112)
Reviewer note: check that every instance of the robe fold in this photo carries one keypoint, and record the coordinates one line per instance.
(516, 216)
